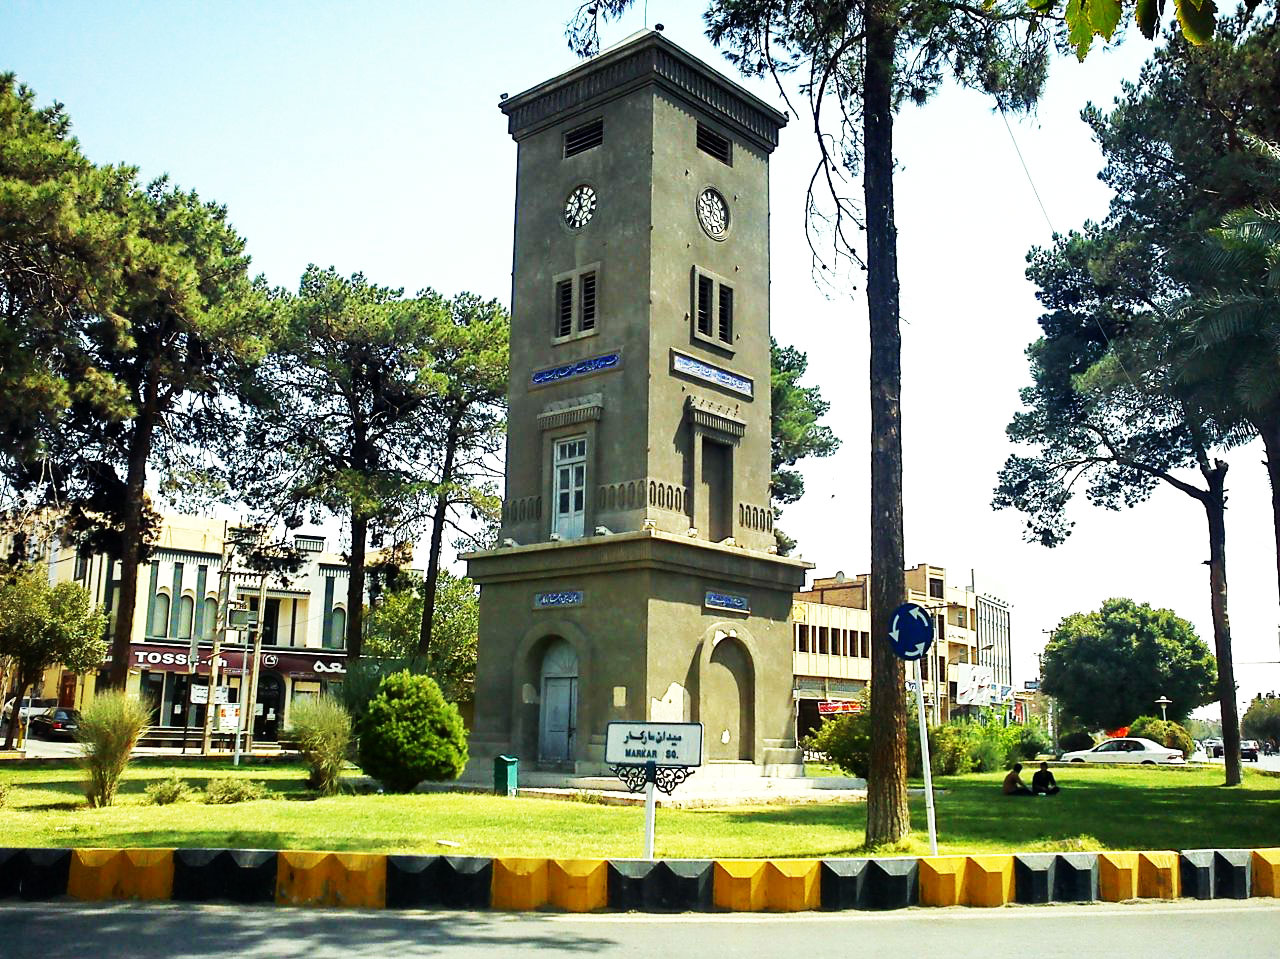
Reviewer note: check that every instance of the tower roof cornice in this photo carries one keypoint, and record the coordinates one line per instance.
(642, 59)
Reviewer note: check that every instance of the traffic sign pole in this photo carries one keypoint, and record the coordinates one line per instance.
(650, 807)
(911, 635)
(924, 760)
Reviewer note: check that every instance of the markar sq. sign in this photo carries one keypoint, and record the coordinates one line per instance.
(665, 744)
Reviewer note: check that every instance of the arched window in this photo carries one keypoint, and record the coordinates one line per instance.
(186, 615)
(210, 622)
(338, 629)
(160, 616)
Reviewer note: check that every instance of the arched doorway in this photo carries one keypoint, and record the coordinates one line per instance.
(270, 707)
(558, 710)
(729, 713)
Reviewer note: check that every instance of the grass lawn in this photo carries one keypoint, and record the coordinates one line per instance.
(1099, 808)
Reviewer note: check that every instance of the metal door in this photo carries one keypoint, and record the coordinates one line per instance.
(559, 709)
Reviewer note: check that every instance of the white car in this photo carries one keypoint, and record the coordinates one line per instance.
(31, 706)
(1142, 751)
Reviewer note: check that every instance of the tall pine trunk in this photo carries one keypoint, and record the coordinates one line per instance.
(1215, 509)
(131, 536)
(1269, 428)
(437, 537)
(888, 818)
(355, 586)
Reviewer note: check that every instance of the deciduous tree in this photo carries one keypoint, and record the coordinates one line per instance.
(43, 626)
(1108, 667)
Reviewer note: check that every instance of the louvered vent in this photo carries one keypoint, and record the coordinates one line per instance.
(705, 292)
(584, 138)
(564, 307)
(588, 301)
(726, 314)
(718, 146)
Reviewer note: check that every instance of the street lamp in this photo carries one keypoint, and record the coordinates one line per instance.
(1163, 702)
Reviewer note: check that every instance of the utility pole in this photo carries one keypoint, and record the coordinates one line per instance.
(219, 634)
(251, 700)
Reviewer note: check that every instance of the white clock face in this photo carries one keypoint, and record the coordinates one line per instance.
(580, 207)
(713, 214)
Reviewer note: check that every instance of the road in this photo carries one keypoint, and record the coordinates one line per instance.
(1182, 930)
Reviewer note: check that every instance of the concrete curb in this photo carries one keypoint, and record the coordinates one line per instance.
(374, 880)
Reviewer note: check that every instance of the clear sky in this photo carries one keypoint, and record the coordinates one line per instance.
(367, 136)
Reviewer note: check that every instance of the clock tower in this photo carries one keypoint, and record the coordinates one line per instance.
(637, 576)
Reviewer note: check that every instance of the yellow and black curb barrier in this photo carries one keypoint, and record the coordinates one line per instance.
(376, 881)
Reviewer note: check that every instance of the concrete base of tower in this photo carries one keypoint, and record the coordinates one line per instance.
(643, 626)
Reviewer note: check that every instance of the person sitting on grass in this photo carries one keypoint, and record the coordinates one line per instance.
(1043, 781)
(1013, 784)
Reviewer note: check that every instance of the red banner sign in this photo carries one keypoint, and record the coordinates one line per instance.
(835, 707)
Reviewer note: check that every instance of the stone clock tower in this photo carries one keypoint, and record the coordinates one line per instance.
(636, 577)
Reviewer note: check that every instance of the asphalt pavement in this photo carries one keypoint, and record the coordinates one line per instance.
(1180, 930)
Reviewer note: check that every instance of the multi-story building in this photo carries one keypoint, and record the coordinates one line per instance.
(304, 621)
(831, 623)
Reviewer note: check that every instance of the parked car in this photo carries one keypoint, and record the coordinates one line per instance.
(58, 723)
(1249, 749)
(1131, 750)
(1213, 748)
(31, 706)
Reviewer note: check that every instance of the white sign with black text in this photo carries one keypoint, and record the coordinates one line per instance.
(666, 744)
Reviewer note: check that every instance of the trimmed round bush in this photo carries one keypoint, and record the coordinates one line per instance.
(1165, 732)
(409, 733)
(1031, 742)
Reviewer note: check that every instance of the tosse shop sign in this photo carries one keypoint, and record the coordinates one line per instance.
(302, 664)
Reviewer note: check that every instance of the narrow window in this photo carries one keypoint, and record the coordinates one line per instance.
(725, 327)
(716, 145)
(338, 630)
(584, 138)
(935, 589)
(160, 619)
(705, 293)
(588, 302)
(564, 307)
(210, 621)
(570, 487)
(186, 616)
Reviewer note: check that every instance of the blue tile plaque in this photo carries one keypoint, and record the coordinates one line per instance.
(728, 601)
(690, 366)
(595, 364)
(562, 599)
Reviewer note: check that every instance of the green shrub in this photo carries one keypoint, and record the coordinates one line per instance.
(950, 749)
(225, 790)
(363, 679)
(988, 754)
(1165, 732)
(847, 741)
(1030, 742)
(409, 733)
(171, 789)
(110, 726)
(1071, 742)
(322, 730)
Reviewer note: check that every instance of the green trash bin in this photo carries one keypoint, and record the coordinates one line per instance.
(505, 770)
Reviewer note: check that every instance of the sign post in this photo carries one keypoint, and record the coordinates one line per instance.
(911, 635)
(653, 756)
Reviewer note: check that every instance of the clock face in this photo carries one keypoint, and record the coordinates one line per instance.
(713, 214)
(579, 207)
